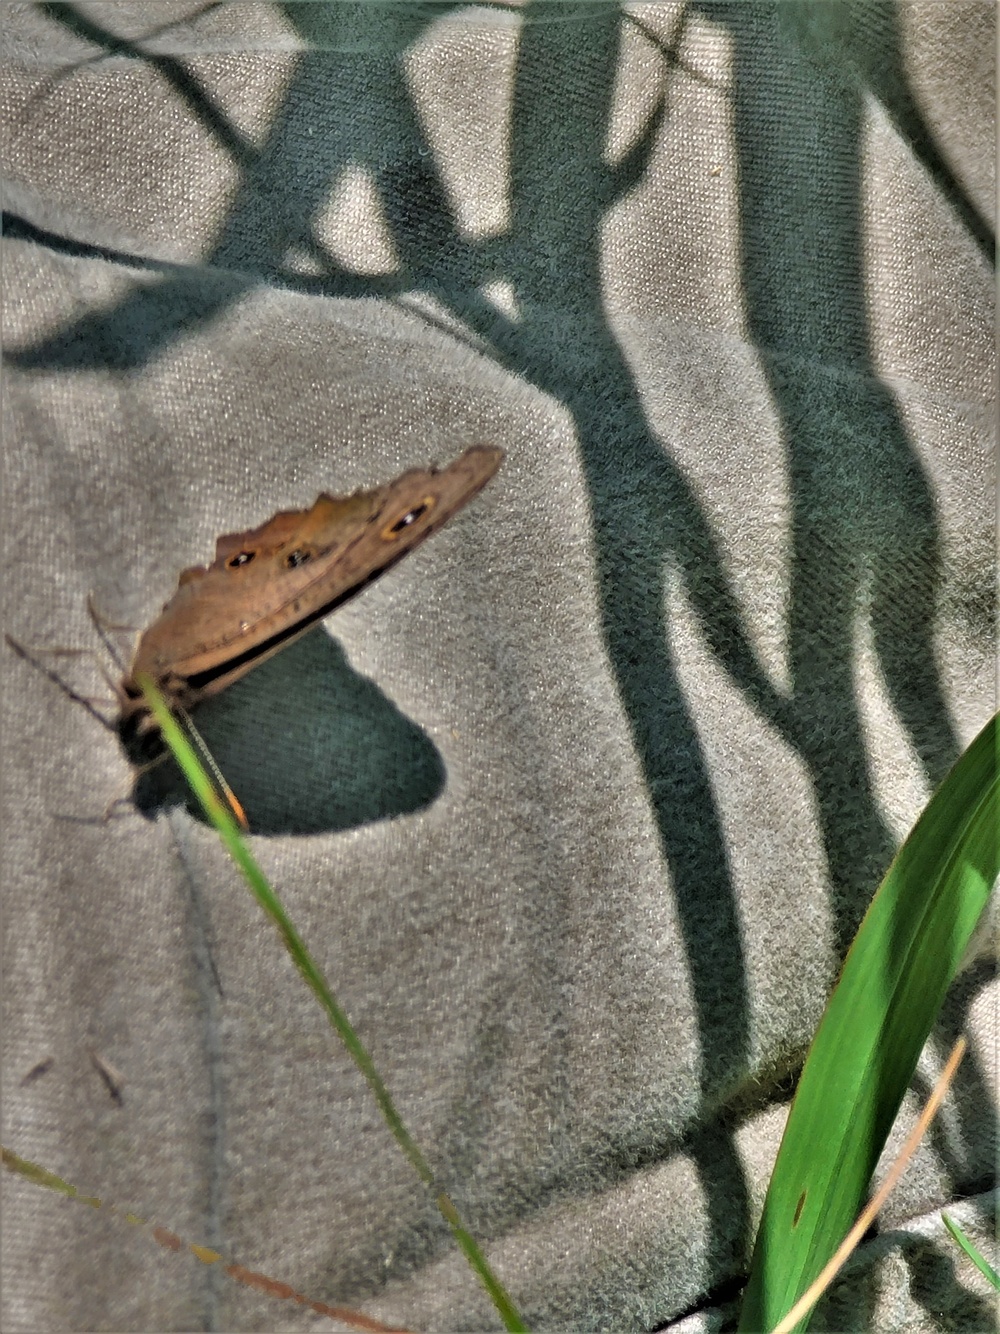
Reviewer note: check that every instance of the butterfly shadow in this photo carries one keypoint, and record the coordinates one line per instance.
(308, 746)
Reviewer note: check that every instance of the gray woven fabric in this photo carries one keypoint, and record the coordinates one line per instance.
(580, 805)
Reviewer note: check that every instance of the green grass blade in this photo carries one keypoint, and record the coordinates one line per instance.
(905, 954)
(221, 817)
(980, 1261)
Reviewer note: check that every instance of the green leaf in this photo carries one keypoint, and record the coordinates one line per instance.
(980, 1261)
(905, 954)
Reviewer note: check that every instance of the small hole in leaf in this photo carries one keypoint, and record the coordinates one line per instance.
(297, 557)
(241, 558)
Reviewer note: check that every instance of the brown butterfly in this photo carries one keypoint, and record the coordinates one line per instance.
(268, 586)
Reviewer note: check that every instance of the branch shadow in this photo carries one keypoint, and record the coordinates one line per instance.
(865, 539)
(339, 92)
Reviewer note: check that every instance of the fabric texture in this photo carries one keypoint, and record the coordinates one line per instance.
(579, 806)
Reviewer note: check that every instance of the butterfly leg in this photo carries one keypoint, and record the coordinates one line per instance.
(67, 690)
(124, 797)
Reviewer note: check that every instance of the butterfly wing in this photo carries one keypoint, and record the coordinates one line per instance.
(271, 584)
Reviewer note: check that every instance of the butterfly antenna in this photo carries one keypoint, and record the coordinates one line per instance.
(114, 686)
(22, 652)
(102, 625)
(232, 801)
